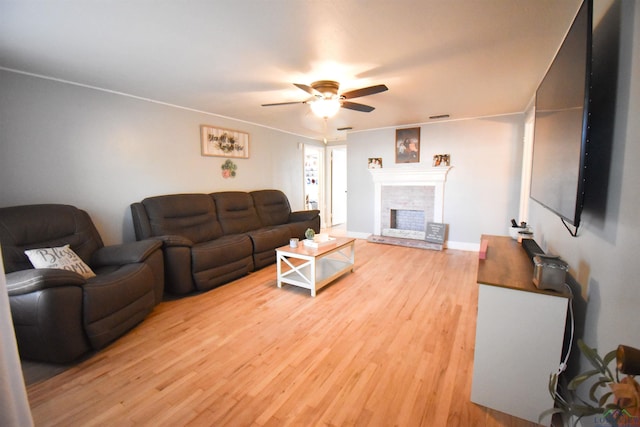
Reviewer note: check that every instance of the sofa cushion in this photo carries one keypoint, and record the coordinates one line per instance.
(224, 250)
(272, 206)
(214, 277)
(265, 242)
(236, 212)
(270, 238)
(61, 258)
(221, 260)
(189, 215)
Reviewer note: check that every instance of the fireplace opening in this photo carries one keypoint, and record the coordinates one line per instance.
(407, 219)
(405, 210)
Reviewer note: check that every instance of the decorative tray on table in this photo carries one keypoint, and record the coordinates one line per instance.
(319, 241)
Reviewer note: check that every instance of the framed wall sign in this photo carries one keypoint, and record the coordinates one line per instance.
(408, 145)
(435, 232)
(224, 142)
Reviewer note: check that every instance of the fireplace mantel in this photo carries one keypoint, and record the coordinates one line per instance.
(408, 176)
(434, 177)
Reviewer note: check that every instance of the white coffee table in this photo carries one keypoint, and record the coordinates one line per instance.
(312, 268)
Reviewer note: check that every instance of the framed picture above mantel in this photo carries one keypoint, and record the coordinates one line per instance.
(224, 142)
(407, 145)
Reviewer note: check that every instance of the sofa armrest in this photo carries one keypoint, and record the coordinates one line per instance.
(126, 253)
(27, 281)
(171, 240)
(300, 216)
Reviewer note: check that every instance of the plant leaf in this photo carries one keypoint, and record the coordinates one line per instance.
(582, 411)
(604, 398)
(579, 379)
(601, 383)
(549, 412)
(577, 398)
(608, 358)
(553, 383)
(592, 355)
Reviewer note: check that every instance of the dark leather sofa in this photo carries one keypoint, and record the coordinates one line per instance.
(212, 239)
(59, 315)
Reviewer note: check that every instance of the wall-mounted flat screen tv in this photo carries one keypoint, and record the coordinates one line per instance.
(561, 130)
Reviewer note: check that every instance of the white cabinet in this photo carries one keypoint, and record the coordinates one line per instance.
(519, 334)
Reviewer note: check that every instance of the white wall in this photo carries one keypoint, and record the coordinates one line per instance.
(604, 257)
(482, 190)
(61, 143)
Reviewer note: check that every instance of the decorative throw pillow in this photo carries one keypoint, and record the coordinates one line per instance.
(62, 257)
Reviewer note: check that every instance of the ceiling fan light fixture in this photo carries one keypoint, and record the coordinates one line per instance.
(325, 107)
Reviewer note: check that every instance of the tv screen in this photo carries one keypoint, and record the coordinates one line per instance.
(561, 123)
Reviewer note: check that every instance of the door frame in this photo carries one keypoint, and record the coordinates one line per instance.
(330, 179)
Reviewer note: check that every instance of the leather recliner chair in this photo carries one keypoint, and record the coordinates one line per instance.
(59, 315)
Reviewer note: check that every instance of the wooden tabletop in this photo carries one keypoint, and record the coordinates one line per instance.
(508, 265)
(305, 250)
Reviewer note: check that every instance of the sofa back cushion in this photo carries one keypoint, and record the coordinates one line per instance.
(192, 216)
(236, 212)
(45, 226)
(272, 206)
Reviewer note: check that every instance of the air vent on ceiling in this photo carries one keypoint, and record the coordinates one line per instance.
(345, 128)
(439, 116)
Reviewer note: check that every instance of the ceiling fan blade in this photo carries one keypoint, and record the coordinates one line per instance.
(365, 91)
(308, 89)
(357, 107)
(284, 103)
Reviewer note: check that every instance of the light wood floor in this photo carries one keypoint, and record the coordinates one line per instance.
(389, 344)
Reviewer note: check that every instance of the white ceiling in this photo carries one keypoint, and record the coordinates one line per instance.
(466, 58)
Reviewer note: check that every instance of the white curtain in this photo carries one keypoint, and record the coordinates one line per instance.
(14, 406)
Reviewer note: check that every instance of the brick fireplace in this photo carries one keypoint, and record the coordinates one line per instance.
(405, 200)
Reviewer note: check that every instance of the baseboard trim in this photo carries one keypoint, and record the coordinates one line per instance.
(358, 235)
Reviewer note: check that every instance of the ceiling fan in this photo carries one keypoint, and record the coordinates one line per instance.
(326, 101)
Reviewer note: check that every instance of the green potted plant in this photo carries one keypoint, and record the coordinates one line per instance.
(309, 234)
(611, 399)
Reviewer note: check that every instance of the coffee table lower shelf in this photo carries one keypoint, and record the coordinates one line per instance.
(314, 268)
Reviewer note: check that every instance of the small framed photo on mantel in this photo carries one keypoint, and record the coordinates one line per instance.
(408, 145)
(224, 142)
(375, 163)
(441, 160)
